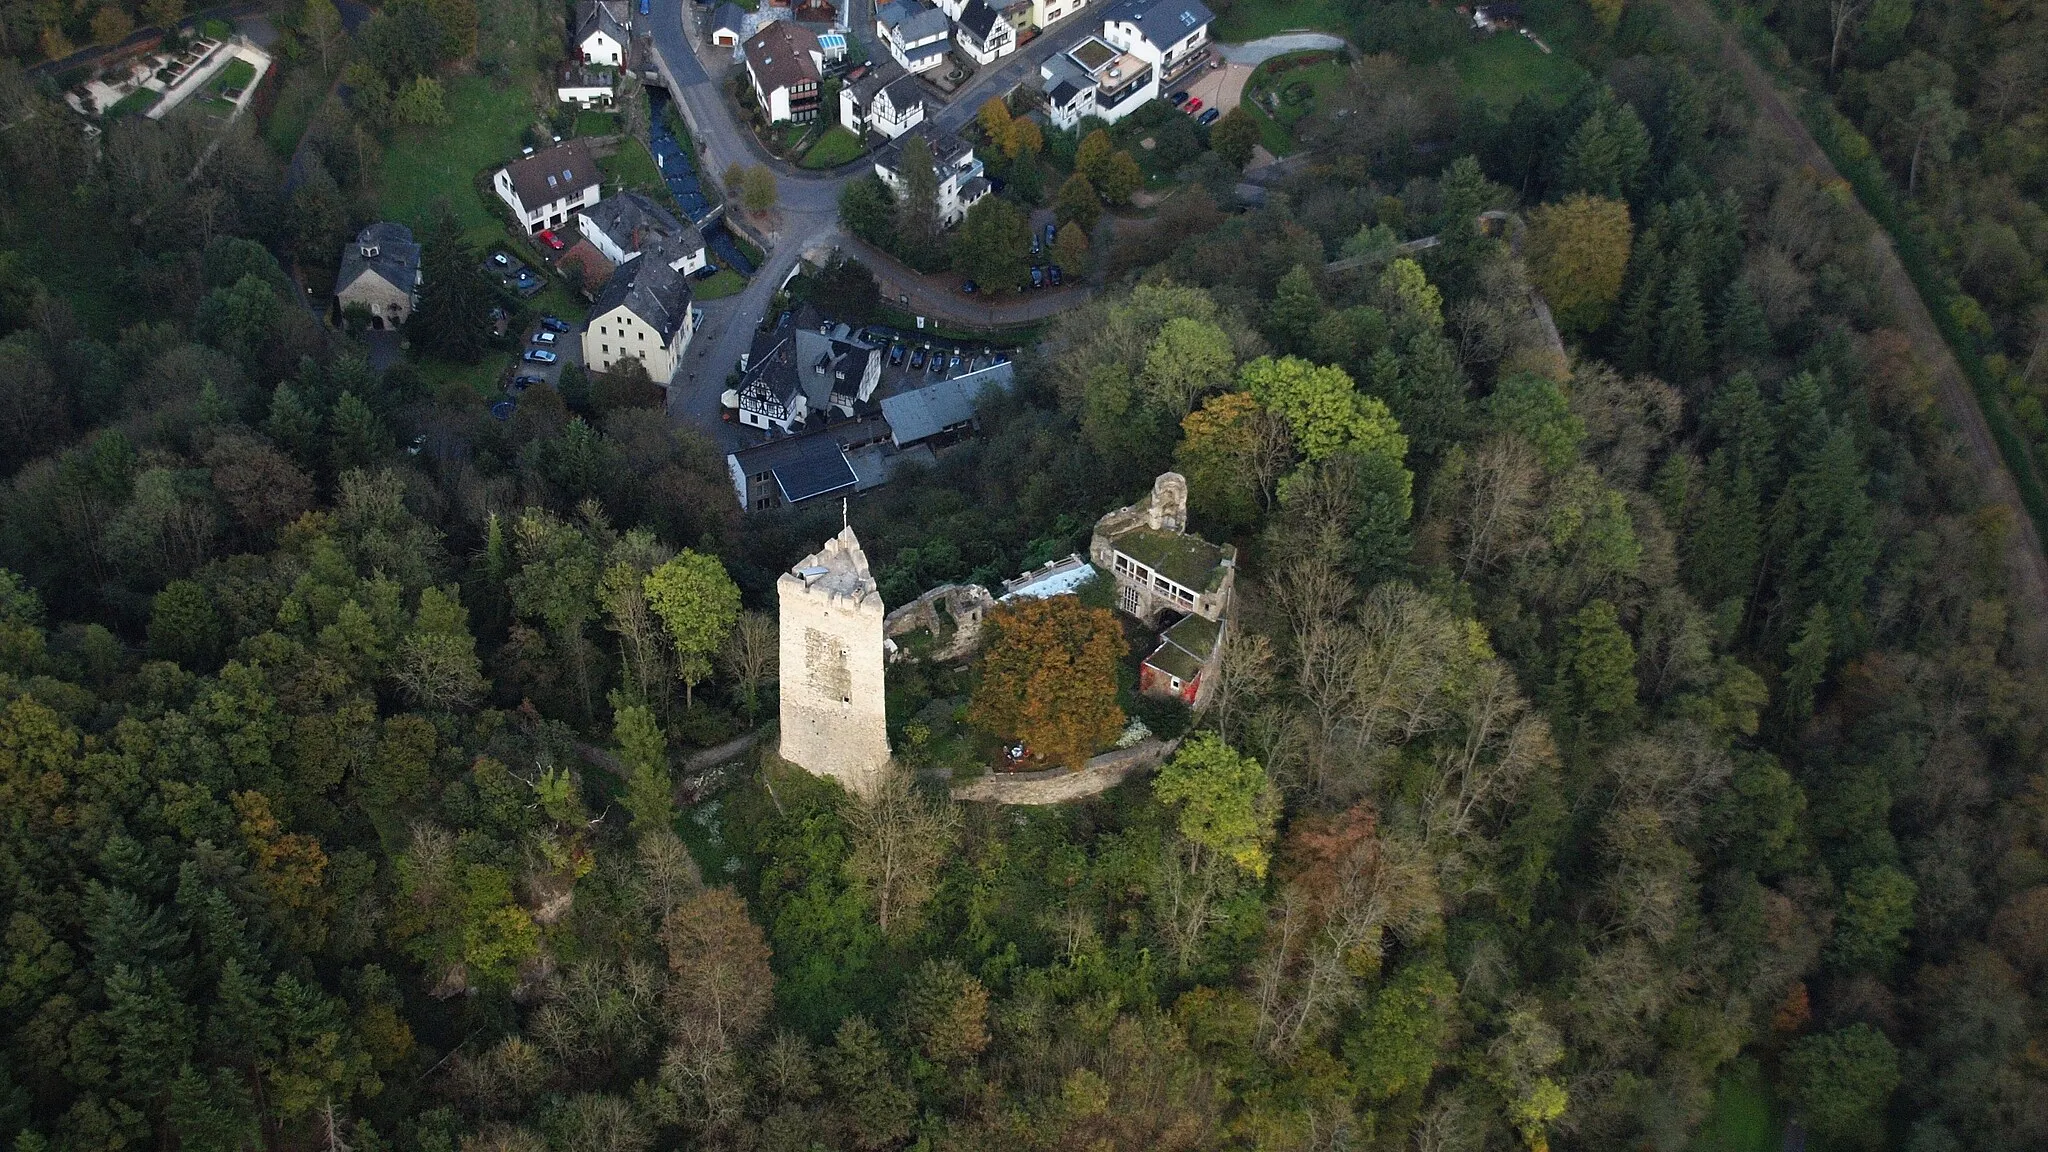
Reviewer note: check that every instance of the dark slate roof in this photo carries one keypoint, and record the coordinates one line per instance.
(924, 412)
(656, 293)
(545, 177)
(601, 16)
(948, 149)
(873, 80)
(771, 366)
(729, 17)
(1164, 22)
(397, 259)
(1063, 93)
(779, 55)
(804, 467)
(910, 22)
(634, 221)
(904, 92)
(980, 19)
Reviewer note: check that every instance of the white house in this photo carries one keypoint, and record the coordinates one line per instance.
(545, 189)
(786, 66)
(961, 183)
(626, 224)
(797, 371)
(916, 35)
(983, 33)
(1095, 79)
(1045, 13)
(644, 314)
(1163, 33)
(603, 29)
(883, 100)
(585, 85)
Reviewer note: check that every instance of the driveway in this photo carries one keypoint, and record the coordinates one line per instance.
(1218, 88)
(1259, 51)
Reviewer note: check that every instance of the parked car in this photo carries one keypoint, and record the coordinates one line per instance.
(522, 383)
(969, 287)
(501, 260)
(917, 360)
(1178, 98)
(544, 339)
(1051, 229)
(540, 356)
(1034, 243)
(1191, 107)
(1209, 117)
(895, 355)
(549, 238)
(937, 362)
(953, 365)
(1052, 273)
(553, 325)
(418, 442)
(1037, 276)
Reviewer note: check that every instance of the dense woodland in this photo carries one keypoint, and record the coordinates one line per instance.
(1605, 738)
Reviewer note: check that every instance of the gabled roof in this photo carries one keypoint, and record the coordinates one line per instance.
(948, 149)
(979, 19)
(771, 367)
(651, 290)
(803, 466)
(1063, 93)
(779, 55)
(925, 412)
(1186, 646)
(545, 177)
(1163, 22)
(909, 22)
(607, 16)
(904, 92)
(397, 258)
(634, 221)
(844, 362)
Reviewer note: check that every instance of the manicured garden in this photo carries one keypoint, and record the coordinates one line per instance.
(837, 146)
(424, 165)
(236, 76)
(135, 103)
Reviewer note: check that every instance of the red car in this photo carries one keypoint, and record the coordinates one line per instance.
(551, 240)
(1191, 107)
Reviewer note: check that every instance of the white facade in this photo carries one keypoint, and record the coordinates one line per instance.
(600, 48)
(1045, 13)
(617, 335)
(893, 110)
(961, 184)
(984, 35)
(689, 263)
(549, 214)
(915, 37)
(585, 94)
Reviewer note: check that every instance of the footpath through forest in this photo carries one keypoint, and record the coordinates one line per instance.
(2026, 567)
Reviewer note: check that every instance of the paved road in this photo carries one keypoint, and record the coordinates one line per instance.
(1259, 51)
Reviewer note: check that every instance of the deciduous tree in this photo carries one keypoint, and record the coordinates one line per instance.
(1048, 678)
(698, 603)
(1578, 252)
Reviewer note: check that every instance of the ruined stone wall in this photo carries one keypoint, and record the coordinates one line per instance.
(952, 613)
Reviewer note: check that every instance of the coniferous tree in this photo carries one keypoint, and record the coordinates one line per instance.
(1682, 329)
(452, 321)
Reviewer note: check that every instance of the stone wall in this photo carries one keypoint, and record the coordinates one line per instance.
(952, 613)
(834, 715)
(1059, 786)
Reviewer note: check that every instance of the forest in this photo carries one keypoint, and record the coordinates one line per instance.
(1633, 741)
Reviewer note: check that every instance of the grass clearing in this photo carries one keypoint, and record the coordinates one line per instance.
(837, 146)
(1743, 1117)
(485, 377)
(1504, 68)
(632, 166)
(1296, 91)
(424, 165)
(1253, 21)
(725, 282)
(596, 122)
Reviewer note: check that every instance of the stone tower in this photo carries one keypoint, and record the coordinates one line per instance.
(833, 718)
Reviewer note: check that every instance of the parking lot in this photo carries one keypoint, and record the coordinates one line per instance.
(550, 334)
(916, 359)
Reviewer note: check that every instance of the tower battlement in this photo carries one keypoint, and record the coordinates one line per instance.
(834, 717)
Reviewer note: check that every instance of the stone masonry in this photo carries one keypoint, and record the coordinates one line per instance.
(834, 720)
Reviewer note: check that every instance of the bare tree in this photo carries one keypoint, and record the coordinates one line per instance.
(1842, 16)
(1495, 504)
(751, 656)
(899, 841)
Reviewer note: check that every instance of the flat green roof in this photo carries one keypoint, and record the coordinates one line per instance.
(1189, 561)
(1184, 647)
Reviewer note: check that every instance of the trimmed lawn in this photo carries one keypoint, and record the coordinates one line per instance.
(837, 146)
(596, 122)
(632, 166)
(725, 282)
(792, 136)
(428, 164)
(135, 103)
(1502, 69)
(1299, 89)
(237, 74)
(1254, 19)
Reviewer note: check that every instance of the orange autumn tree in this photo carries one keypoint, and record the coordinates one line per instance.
(1048, 678)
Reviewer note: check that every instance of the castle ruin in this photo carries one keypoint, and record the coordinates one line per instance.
(834, 720)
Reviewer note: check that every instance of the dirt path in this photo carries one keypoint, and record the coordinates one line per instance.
(2026, 569)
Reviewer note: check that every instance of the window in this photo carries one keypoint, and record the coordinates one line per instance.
(607, 349)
